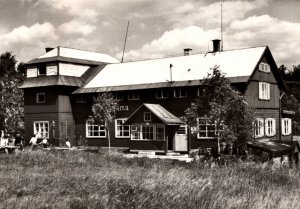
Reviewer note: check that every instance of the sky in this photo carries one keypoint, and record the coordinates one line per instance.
(157, 28)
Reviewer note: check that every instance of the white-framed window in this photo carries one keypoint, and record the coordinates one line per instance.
(206, 129)
(259, 129)
(147, 116)
(180, 93)
(264, 67)
(80, 99)
(41, 128)
(95, 131)
(40, 97)
(152, 132)
(264, 91)
(119, 96)
(270, 126)
(133, 96)
(286, 124)
(121, 131)
(161, 94)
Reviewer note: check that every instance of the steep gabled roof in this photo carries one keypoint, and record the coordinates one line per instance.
(238, 65)
(74, 56)
(160, 112)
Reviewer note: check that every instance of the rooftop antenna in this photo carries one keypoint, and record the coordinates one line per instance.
(221, 25)
(125, 42)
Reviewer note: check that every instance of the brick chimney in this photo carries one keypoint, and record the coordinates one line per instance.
(216, 45)
(186, 51)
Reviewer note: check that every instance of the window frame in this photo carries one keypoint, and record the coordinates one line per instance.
(270, 127)
(140, 133)
(147, 116)
(286, 130)
(163, 94)
(41, 67)
(87, 124)
(180, 91)
(261, 128)
(264, 91)
(41, 135)
(119, 96)
(122, 128)
(207, 131)
(264, 67)
(80, 100)
(135, 96)
(40, 94)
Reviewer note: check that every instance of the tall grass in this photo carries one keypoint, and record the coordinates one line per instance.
(80, 180)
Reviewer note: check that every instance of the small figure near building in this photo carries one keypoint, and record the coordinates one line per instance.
(19, 141)
(45, 143)
(33, 141)
(68, 143)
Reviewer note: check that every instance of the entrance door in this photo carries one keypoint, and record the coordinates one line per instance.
(181, 139)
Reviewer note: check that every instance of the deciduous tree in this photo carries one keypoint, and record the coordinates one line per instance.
(104, 111)
(224, 107)
(11, 98)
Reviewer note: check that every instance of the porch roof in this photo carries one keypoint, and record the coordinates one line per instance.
(164, 115)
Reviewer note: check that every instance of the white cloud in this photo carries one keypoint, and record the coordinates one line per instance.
(76, 27)
(173, 42)
(281, 36)
(211, 14)
(29, 35)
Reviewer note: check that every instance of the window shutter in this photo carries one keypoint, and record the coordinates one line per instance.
(261, 127)
(273, 126)
(267, 91)
(260, 90)
(289, 126)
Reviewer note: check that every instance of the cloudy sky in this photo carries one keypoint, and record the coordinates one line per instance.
(158, 28)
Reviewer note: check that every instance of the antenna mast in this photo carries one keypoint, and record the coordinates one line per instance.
(125, 42)
(221, 26)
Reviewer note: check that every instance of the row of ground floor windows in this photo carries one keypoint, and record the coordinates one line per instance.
(205, 129)
(267, 127)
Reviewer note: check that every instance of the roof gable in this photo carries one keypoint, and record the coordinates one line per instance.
(161, 113)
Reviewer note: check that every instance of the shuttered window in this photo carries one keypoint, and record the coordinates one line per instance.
(270, 126)
(259, 127)
(286, 125)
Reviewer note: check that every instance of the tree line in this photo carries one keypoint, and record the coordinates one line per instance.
(12, 75)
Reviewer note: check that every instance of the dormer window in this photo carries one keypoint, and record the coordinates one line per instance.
(264, 67)
(42, 70)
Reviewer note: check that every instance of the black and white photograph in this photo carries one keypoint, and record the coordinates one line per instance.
(149, 104)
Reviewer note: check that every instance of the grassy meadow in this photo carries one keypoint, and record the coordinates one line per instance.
(78, 180)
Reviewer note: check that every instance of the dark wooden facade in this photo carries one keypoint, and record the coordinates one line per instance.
(62, 108)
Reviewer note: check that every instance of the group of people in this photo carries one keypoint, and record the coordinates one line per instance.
(34, 142)
(7, 140)
(16, 141)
